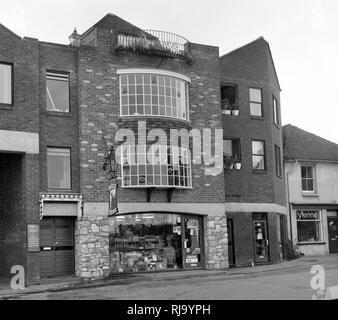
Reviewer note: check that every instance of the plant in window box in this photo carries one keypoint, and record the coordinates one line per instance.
(235, 109)
(238, 163)
(226, 106)
(229, 162)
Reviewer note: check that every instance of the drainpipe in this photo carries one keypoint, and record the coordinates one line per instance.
(289, 205)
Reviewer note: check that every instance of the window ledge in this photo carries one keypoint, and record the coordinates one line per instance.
(5, 106)
(310, 243)
(58, 114)
(147, 116)
(259, 171)
(310, 195)
(256, 117)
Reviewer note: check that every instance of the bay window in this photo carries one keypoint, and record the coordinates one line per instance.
(6, 71)
(153, 93)
(162, 166)
(258, 155)
(309, 226)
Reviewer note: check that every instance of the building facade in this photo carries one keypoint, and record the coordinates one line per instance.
(71, 205)
(311, 169)
(253, 172)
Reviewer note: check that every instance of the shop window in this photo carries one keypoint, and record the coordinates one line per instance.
(309, 226)
(57, 85)
(58, 165)
(308, 178)
(276, 116)
(229, 100)
(158, 167)
(151, 94)
(6, 83)
(154, 242)
(256, 102)
(232, 154)
(258, 155)
(278, 161)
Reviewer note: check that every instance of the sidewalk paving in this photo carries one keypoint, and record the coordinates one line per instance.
(71, 283)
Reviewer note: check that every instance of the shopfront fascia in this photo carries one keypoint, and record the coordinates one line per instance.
(156, 241)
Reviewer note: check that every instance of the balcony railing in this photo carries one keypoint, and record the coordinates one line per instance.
(154, 42)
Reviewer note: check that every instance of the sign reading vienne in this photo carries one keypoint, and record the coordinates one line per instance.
(33, 237)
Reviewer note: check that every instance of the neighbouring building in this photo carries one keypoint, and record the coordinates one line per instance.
(64, 109)
(253, 153)
(311, 173)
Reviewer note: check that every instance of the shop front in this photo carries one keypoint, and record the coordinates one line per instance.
(156, 242)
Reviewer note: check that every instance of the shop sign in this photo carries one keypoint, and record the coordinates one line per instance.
(191, 259)
(33, 237)
(308, 215)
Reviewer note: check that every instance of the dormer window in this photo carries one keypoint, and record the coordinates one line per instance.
(153, 93)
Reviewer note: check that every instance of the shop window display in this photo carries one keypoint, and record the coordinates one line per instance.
(155, 242)
(146, 242)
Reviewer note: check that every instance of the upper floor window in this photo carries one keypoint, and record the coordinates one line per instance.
(232, 153)
(278, 160)
(308, 178)
(58, 167)
(153, 93)
(256, 102)
(258, 155)
(276, 117)
(229, 100)
(169, 167)
(6, 72)
(57, 84)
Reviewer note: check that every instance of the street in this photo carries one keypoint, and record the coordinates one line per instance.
(287, 284)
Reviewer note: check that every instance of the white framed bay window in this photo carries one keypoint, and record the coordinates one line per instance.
(152, 92)
(159, 166)
(309, 226)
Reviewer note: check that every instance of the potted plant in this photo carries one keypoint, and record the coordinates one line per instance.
(226, 107)
(235, 109)
(238, 163)
(229, 162)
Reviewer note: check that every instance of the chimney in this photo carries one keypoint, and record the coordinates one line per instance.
(75, 38)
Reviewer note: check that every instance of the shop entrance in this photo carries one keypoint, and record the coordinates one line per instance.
(333, 234)
(261, 241)
(56, 247)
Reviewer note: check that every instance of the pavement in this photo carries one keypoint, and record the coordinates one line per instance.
(59, 285)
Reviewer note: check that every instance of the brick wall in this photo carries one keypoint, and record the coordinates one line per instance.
(99, 115)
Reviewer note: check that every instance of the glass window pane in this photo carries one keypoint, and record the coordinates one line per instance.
(227, 147)
(258, 162)
(57, 95)
(258, 147)
(255, 95)
(256, 109)
(5, 84)
(58, 167)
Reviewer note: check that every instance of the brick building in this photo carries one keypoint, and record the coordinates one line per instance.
(62, 109)
(254, 182)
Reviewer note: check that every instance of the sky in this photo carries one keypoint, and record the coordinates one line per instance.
(303, 36)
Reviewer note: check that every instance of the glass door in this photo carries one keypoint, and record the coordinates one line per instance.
(192, 242)
(333, 234)
(261, 241)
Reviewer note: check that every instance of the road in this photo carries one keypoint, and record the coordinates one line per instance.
(287, 284)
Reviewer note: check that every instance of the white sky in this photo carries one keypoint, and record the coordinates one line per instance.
(303, 35)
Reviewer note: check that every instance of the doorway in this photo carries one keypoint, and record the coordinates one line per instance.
(261, 240)
(192, 242)
(56, 247)
(333, 234)
(231, 247)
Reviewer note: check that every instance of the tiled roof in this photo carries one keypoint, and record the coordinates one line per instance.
(111, 21)
(302, 145)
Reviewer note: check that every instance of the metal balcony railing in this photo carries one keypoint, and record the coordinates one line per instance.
(154, 42)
